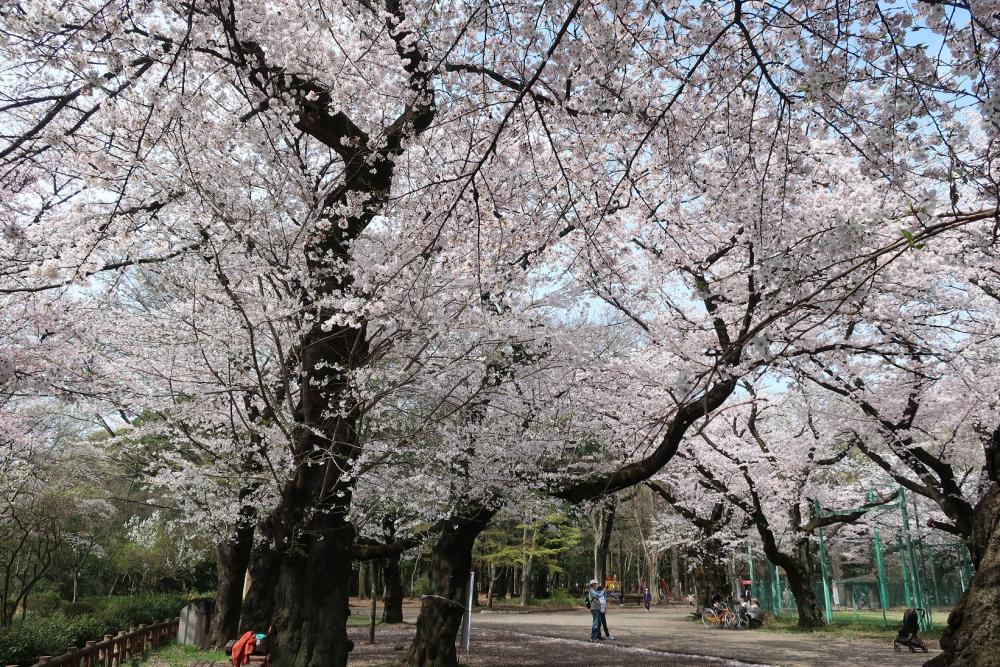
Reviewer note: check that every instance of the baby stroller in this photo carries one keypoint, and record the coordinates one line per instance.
(908, 634)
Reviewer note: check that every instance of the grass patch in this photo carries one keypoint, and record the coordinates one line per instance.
(355, 620)
(848, 625)
(182, 655)
(864, 625)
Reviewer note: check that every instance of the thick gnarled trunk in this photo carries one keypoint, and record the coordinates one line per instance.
(441, 615)
(973, 631)
(233, 559)
(311, 595)
(313, 534)
(810, 612)
(258, 605)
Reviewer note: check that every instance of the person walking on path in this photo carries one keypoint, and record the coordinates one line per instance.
(604, 614)
(595, 599)
(647, 597)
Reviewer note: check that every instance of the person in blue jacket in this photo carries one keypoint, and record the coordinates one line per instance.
(595, 601)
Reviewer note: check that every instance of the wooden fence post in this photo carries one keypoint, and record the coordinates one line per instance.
(119, 649)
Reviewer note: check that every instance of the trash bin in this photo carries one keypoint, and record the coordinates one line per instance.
(195, 619)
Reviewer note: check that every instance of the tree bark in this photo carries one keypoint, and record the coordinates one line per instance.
(441, 616)
(311, 594)
(675, 576)
(529, 557)
(363, 583)
(233, 560)
(709, 574)
(810, 612)
(974, 625)
(392, 603)
(258, 605)
(653, 574)
(493, 581)
(603, 527)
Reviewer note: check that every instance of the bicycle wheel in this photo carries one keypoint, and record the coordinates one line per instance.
(710, 618)
(742, 621)
(729, 619)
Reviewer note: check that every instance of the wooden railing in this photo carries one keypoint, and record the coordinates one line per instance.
(114, 650)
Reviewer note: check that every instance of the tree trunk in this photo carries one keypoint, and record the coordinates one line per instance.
(392, 602)
(709, 574)
(810, 612)
(316, 539)
(493, 581)
(602, 541)
(653, 574)
(258, 605)
(311, 594)
(233, 559)
(413, 576)
(441, 616)
(363, 582)
(675, 576)
(974, 624)
(540, 589)
(529, 557)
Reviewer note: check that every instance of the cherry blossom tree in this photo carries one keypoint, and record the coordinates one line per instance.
(315, 171)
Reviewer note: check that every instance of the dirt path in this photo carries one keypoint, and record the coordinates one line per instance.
(663, 637)
(667, 629)
(504, 648)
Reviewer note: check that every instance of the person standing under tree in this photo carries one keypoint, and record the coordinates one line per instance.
(604, 614)
(647, 598)
(595, 601)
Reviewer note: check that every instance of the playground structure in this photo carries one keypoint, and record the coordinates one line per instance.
(905, 571)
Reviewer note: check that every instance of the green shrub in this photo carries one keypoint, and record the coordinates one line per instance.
(24, 641)
(422, 586)
(44, 603)
(76, 608)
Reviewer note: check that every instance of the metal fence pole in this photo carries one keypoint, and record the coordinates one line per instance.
(883, 594)
(926, 601)
(824, 570)
(918, 593)
(776, 586)
(467, 625)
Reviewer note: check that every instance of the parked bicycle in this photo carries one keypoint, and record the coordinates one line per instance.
(722, 616)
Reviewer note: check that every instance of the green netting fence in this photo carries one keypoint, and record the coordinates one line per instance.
(905, 570)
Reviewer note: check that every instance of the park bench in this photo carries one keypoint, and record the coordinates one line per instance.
(630, 598)
(255, 659)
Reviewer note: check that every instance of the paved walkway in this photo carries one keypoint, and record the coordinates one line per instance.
(668, 630)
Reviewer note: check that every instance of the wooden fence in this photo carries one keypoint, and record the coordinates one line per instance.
(114, 650)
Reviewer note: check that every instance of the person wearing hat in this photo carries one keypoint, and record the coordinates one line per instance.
(595, 602)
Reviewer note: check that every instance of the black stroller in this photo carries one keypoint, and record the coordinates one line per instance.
(909, 632)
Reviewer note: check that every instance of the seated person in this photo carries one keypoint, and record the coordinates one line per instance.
(755, 612)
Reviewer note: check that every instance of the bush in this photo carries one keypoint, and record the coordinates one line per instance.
(24, 641)
(44, 603)
(422, 586)
(76, 608)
